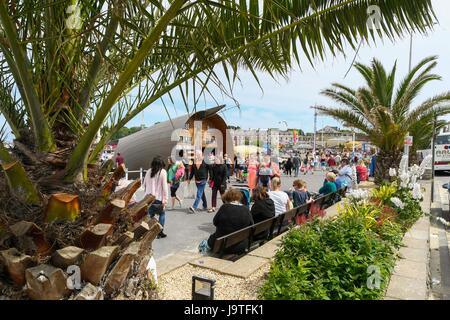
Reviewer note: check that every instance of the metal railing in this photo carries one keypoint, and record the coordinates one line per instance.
(141, 172)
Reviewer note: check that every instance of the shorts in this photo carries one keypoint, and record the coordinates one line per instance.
(173, 190)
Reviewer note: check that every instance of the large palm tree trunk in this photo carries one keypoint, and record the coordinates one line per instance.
(385, 161)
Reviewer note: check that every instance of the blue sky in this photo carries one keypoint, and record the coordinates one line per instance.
(290, 100)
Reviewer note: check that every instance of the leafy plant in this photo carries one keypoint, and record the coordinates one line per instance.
(330, 259)
(384, 193)
(411, 210)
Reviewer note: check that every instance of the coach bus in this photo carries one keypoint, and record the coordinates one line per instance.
(442, 152)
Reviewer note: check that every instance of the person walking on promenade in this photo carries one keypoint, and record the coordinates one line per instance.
(200, 172)
(175, 174)
(227, 162)
(155, 183)
(288, 166)
(253, 166)
(120, 160)
(218, 175)
(331, 162)
(297, 163)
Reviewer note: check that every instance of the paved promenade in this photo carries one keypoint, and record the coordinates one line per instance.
(185, 231)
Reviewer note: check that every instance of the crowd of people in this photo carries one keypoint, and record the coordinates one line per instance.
(328, 161)
(261, 176)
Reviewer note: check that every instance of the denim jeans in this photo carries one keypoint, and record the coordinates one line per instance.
(152, 211)
(200, 194)
(296, 169)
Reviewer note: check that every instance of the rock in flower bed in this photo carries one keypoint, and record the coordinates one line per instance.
(351, 256)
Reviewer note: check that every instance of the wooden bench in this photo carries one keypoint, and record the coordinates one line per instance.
(249, 233)
(274, 227)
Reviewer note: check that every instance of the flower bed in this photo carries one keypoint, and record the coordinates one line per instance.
(352, 256)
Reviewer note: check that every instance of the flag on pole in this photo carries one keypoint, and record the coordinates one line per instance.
(295, 136)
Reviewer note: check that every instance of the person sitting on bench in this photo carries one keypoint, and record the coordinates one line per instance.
(329, 185)
(232, 216)
(263, 208)
(280, 198)
(300, 194)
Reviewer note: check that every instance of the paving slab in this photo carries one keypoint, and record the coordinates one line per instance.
(412, 254)
(417, 234)
(212, 263)
(268, 251)
(245, 267)
(277, 241)
(175, 261)
(415, 243)
(411, 269)
(407, 288)
(422, 225)
(332, 211)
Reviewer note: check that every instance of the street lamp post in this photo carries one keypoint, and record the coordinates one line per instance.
(315, 130)
(432, 157)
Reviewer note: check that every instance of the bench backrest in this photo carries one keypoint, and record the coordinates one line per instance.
(274, 224)
(303, 209)
(263, 225)
(231, 239)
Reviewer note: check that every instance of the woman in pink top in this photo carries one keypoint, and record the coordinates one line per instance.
(155, 183)
(252, 170)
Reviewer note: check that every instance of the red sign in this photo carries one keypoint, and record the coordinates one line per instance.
(408, 141)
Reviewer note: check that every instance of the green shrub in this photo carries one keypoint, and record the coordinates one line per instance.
(411, 211)
(329, 259)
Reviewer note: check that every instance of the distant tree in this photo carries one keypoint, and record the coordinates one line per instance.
(123, 132)
(386, 113)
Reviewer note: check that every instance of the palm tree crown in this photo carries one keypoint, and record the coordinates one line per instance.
(386, 113)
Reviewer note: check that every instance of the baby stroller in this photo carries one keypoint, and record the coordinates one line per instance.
(246, 196)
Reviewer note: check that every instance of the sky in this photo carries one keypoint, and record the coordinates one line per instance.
(290, 101)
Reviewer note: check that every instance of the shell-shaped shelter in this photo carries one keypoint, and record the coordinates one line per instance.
(140, 148)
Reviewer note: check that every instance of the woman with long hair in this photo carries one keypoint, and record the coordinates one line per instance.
(155, 183)
(199, 171)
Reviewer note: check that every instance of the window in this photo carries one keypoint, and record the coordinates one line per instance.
(443, 139)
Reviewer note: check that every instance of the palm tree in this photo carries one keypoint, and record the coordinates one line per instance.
(71, 70)
(386, 115)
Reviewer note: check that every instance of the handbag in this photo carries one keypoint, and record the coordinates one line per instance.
(211, 184)
(157, 208)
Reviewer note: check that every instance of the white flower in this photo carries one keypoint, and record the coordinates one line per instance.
(415, 170)
(392, 172)
(404, 180)
(413, 180)
(426, 163)
(403, 167)
(397, 202)
(417, 191)
(358, 195)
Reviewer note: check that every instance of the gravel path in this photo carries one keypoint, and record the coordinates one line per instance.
(177, 285)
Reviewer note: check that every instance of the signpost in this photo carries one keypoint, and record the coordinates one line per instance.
(408, 142)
